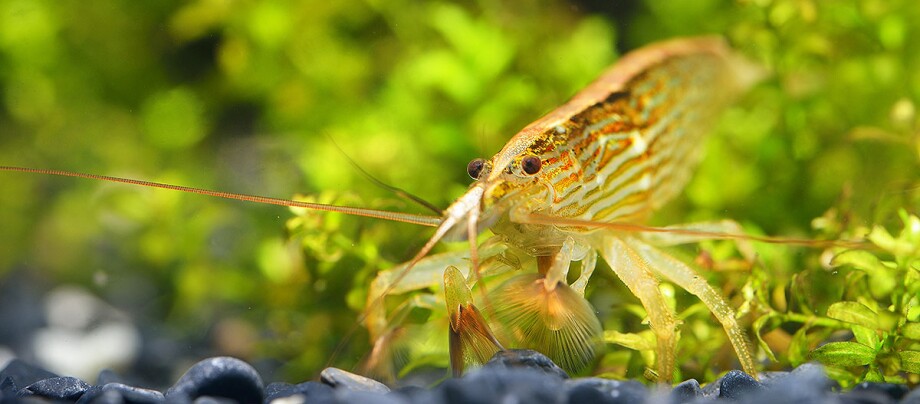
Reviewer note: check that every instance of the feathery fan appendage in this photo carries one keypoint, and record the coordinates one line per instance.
(559, 322)
(471, 338)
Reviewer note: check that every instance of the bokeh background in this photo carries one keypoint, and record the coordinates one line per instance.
(247, 96)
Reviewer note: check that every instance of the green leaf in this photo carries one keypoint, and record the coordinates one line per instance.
(911, 330)
(629, 340)
(873, 375)
(910, 361)
(758, 332)
(846, 378)
(854, 313)
(798, 347)
(913, 314)
(907, 244)
(882, 279)
(865, 336)
(859, 259)
(844, 354)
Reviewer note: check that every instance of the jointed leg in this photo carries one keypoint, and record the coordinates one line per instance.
(587, 269)
(559, 267)
(687, 278)
(634, 271)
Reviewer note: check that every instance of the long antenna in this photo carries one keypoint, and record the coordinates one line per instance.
(423, 220)
(398, 191)
(535, 218)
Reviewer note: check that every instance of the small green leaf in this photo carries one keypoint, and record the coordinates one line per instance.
(865, 336)
(910, 361)
(846, 378)
(798, 347)
(906, 244)
(859, 259)
(758, 331)
(854, 313)
(895, 379)
(873, 375)
(882, 279)
(628, 340)
(844, 354)
(880, 237)
(913, 314)
(911, 330)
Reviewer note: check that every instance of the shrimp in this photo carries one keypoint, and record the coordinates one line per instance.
(566, 189)
(616, 152)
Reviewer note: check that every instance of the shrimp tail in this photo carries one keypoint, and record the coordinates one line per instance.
(553, 319)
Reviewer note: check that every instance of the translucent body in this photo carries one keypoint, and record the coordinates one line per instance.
(616, 152)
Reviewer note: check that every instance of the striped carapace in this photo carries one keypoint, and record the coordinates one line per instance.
(617, 151)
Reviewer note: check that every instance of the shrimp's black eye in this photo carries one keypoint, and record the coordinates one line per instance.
(531, 164)
(474, 168)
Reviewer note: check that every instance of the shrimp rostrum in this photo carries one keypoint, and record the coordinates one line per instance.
(617, 151)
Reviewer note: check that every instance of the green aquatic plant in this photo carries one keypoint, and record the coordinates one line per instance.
(242, 97)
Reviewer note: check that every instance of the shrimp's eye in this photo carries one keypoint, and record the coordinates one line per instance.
(531, 164)
(474, 168)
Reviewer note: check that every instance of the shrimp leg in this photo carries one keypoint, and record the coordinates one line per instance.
(587, 269)
(685, 277)
(637, 274)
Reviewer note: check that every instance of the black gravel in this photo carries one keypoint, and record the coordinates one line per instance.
(517, 376)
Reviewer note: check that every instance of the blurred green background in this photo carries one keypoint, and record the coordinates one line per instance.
(244, 96)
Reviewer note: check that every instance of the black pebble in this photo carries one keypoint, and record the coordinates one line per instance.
(56, 388)
(367, 397)
(21, 374)
(874, 393)
(893, 391)
(737, 384)
(107, 376)
(814, 374)
(865, 397)
(312, 392)
(116, 393)
(455, 391)
(415, 394)
(616, 391)
(273, 389)
(588, 394)
(711, 389)
(491, 385)
(802, 386)
(686, 391)
(8, 387)
(218, 377)
(913, 397)
(525, 358)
